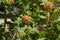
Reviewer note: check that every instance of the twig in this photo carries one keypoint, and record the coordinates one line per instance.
(14, 36)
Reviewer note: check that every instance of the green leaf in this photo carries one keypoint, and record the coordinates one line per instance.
(53, 0)
(58, 19)
(18, 39)
(43, 17)
(54, 16)
(58, 27)
(44, 0)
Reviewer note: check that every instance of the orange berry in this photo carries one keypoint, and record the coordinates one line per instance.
(48, 5)
(26, 19)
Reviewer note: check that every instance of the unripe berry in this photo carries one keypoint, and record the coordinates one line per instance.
(48, 16)
(9, 1)
(56, 10)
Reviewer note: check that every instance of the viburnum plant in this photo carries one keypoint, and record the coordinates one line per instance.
(31, 20)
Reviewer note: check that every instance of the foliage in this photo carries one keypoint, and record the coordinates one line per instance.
(31, 20)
